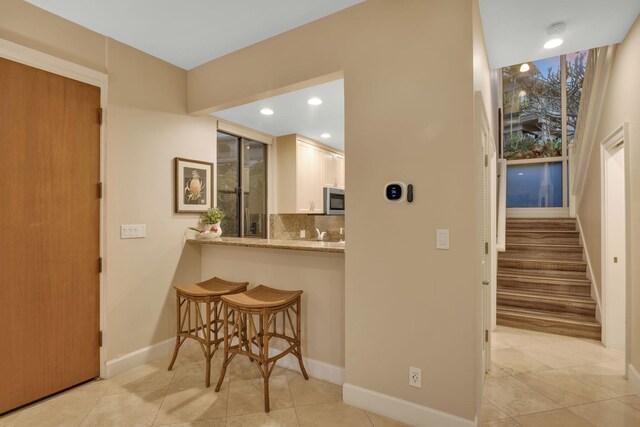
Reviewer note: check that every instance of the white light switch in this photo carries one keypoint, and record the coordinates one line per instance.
(133, 231)
(442, 238)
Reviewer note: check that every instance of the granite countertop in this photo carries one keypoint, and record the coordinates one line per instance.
(298, 245)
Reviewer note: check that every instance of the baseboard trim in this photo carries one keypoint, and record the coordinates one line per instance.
(315, 368)
(594, 281)
(634, 378)
(138, 357)
(401, 410)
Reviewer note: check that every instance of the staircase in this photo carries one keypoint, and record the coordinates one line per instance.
(542, 279)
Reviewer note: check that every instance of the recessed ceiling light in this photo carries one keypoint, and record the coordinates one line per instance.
(524, 68)
(520, 173)
(266, 111)
(314, 101)
(553, 43)
(325, 135)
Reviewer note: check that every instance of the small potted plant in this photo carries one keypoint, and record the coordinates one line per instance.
(209, 226)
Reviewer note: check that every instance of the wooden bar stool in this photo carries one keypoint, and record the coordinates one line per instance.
(200, 323)
(263, 304)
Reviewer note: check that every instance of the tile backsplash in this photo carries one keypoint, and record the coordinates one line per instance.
(288, 226)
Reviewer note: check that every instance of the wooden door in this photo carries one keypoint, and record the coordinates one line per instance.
(50, 230)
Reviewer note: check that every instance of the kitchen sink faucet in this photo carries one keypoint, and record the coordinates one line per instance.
(321, 236)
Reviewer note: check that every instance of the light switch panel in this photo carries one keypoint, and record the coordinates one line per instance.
(133, 231)
(442, 238)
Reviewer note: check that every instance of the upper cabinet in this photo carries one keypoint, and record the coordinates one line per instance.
(305, 167)
(332, 170)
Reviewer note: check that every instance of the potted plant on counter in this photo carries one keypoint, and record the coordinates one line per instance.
(209, 226)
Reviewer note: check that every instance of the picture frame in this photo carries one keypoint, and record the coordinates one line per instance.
(193, 185)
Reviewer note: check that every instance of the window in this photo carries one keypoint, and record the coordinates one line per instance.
(242, 186)
(540, 109)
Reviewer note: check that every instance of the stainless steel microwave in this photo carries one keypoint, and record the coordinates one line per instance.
(333, 201)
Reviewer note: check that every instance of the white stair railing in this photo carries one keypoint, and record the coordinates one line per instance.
(502, 206)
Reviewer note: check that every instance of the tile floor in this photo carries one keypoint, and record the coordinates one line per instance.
(149, 395)
(538, 380)
(544, 380)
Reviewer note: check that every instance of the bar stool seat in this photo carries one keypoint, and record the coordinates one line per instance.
(262, 297)
(199, 316)
(252, 317)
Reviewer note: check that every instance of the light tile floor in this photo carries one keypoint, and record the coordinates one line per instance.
(544, 380)
(149, 395)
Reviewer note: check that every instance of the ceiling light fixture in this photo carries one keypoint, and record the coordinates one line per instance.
(554, 30)
(524, 68)
(553, 43)
(325, 135)
(266, 111)
(314, 101)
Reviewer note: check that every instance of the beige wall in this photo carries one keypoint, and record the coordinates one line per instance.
(319, 275)
(146, 127)
(408, 73)
(621, 105)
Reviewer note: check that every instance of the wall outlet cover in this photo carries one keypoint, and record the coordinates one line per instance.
(415, 377)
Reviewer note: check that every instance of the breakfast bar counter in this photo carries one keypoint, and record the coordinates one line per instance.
(316, 268)
(299, 245)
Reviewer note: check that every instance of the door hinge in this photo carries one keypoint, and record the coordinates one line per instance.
(99, 116)
(100, 338)
(486, 335)
(99, 190)
(486, 160)
(100, 265)
(486, 247)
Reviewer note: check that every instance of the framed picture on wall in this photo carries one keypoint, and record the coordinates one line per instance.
(194, 185)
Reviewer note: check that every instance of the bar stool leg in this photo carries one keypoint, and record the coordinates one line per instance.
(265, 358)
(298, 341)
(178, 331)
(227, 343)
(207, 338)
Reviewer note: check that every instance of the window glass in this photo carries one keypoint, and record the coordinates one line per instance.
(576, 65)
(532, 109)
(535, 185)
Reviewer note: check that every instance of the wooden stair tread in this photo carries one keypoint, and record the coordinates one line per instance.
(575, 319)
(572, 276)
(534, 257)
(543, 296)
(546, 245)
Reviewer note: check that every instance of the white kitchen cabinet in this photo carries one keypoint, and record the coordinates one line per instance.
(308, 178)
(340, 170)
(332, 170)
(304, 168)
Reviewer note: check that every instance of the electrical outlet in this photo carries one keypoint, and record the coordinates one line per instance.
(303, 234)
(415, 377)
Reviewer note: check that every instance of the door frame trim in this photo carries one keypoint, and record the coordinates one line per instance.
(620, 136)
(43, 61)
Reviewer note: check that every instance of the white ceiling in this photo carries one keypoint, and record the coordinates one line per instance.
(190, 33)
(292, 114)
(516, 30)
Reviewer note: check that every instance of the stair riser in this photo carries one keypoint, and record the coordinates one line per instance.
(548, 326)
(567, 238)
(587, 309)
(539, 254)
(551, 288)
(559, 250)
(542, 265)
(541, 226)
